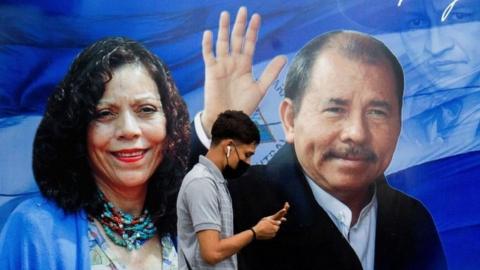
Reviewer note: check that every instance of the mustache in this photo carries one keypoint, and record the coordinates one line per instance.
(351, 152)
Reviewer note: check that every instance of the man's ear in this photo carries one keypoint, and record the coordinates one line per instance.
(229, 149)
(226, 144)
(287, 116)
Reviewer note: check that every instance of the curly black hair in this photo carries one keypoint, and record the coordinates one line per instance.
(60, 157)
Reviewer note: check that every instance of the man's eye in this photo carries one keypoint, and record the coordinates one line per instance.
(460, 16)
(377, 113)
(335, 110)
(418, 23)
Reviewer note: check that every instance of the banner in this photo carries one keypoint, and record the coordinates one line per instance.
(436, 41)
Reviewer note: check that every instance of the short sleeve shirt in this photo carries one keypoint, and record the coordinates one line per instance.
(203, 203)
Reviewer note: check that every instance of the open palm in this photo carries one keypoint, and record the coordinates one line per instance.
(229, 81)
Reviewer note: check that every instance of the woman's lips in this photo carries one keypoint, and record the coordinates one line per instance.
(129, 155)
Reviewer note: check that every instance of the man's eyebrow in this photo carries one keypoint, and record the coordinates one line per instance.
(414, 14)
(381, 103)
(338, 101)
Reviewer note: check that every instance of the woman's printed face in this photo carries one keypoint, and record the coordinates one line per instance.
(125, 142)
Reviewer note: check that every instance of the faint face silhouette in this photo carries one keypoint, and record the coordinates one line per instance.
(446, 53)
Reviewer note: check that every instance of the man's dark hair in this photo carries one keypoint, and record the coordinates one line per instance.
(235, 125)
(60, 157)
(354, 45)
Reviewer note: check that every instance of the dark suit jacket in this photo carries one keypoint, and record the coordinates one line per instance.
(406, 237)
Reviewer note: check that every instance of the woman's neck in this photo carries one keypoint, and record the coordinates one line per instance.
(131, 200)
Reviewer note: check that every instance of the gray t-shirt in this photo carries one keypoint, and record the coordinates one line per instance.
(203, 203)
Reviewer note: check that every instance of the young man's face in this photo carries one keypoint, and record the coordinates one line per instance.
(240, 151)
(348, 123)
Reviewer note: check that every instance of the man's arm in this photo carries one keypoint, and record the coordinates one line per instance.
(197, 145)
(229, 81)
(213, 249)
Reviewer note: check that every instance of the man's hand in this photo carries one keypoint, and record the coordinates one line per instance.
(214, 249)
(229, 82)
(268, 227)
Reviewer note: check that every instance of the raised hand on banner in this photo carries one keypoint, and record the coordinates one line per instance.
(229, 81)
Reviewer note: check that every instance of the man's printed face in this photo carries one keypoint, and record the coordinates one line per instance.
(446, 53)
(348, 123)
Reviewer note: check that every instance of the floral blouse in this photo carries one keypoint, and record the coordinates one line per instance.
(102, 257)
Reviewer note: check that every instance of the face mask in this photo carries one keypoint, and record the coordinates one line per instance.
(231, 173)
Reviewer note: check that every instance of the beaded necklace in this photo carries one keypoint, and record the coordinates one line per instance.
(123, 229)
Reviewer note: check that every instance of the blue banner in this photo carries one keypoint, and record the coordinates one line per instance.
(436, 41)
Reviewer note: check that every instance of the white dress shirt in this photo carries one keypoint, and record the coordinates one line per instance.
(361, 235)
(201, 134)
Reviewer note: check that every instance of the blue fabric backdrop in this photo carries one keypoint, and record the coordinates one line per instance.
(436, 41)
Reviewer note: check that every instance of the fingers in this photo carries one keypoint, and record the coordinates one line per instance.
(207, 53)
(222, 46)
(279, 215)
(239, 30)
(251, 36)
(286, 206)
(274, 227)
(267, 228)
(238, 40)
(271, 72)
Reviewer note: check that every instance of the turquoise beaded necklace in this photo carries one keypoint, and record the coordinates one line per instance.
(124, 229)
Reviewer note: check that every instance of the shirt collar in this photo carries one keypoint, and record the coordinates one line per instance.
(218, 176)
(334, 207)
